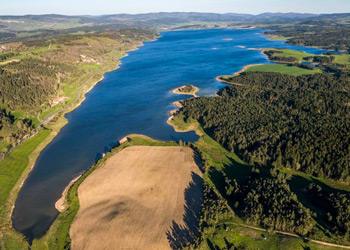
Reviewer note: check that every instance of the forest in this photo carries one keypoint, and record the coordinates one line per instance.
(267, 201)
(29, 83)
(280, 120)
(320, 59)
(333, 35)
(338, 204)
(275, 55)
(279, 123)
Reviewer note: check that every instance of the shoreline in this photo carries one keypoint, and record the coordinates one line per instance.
(178, 104)
(169, 122)
(61, 203)
(55, 129)
(173, 112)
(245, 68)
(237, 73)
(75, 105)
(262, 51)
(219, 78)
(103, 76)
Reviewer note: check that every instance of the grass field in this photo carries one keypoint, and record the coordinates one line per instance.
(283, 69)
(12, 166)
(234, 235)
(300, 55)
(342, 59)
(11, 169)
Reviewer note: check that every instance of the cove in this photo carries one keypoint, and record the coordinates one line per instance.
(136, 98)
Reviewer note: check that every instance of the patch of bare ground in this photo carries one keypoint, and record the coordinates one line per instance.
(143, 197)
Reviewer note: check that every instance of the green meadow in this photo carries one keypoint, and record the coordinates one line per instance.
(283, 69)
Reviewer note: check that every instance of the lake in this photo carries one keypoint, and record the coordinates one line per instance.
(136, 98)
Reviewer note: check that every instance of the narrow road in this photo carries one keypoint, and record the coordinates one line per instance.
(9, 61)
(50, 116)
(295, 236)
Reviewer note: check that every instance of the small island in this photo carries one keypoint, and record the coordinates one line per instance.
(186, 90)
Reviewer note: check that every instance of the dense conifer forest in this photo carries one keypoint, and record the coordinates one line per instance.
(338, 205)
(277, 122)
(280, 120)
(267, 201)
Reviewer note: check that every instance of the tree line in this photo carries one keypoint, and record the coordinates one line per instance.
(266, 200)
(280, 120)
(277, 56)
(338, 206)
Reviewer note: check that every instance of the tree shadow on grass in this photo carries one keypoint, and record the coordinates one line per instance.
(299, 185)
(181, 234)
(234, 171)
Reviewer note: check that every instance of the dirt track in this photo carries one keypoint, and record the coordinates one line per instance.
(137, 200)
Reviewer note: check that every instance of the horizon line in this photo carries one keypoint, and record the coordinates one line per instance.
(170, 12)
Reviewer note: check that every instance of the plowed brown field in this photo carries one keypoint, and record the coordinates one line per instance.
(144, 197)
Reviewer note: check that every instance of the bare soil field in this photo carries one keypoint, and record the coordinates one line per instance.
(144, 197)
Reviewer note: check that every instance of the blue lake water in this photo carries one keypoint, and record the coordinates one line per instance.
(136, 98)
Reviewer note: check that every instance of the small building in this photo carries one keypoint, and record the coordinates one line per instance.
(58, 100)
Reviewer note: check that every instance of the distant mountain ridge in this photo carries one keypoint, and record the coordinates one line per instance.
(193, 16)
(49, 24)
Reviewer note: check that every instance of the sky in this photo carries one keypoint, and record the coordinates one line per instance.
(99, 7)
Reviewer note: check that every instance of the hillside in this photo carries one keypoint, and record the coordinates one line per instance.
(41, 26)
(43, 77)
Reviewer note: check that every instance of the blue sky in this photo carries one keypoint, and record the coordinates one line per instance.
(98, 7)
